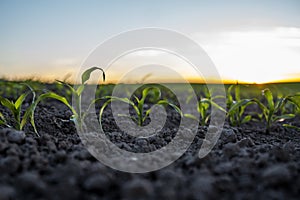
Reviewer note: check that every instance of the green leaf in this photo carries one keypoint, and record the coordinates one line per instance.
(102, 110)
(18, 105)
(246, 119)
(229, 100)
(155, 94)
(80, 89)
(53, 95)
(190, 116)
(136, 98)
(124, 100)
(146, 115)
(199, 107)
(67, 85)
(11, 106)
(42, 97)
(32, 92)
(2, 120)
(28, 115)
(294, 101)
(2, 116)
(218, 106)
(284, 117)
(264, 109)
(269, 96)
(291, 126)
(15, 108)
(279, 104)
(206, 119)
(145, 93)
(239, 104)
(8, 104)
(20, 100)
(86, 75)
(205, 103)
(218, 97)
(176, 108)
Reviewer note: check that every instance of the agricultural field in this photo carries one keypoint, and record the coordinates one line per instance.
(42, 156)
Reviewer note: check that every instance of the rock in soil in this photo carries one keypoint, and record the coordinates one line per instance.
(228, 135)
(14, 136)
(276, 175)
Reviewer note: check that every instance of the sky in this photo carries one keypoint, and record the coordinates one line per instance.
(252, 41)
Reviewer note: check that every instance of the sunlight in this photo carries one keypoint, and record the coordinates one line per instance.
(255, 56)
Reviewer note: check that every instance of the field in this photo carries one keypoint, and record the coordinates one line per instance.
(256, 157)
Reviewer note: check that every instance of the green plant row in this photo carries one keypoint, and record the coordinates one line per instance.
(19, 120)
(270, 109)
(273, 110)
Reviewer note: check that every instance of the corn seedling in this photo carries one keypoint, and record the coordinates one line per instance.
(78, 115)
(153, 93)
(15, 107)
(204, 105)
(271, 111)
(236, 106)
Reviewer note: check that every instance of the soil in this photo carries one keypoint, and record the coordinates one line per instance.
(246, 163)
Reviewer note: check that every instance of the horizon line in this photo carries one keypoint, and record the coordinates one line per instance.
(189, 80)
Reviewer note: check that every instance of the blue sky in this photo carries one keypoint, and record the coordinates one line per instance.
(51, 38)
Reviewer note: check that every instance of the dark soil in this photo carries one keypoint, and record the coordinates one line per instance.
(246, 163)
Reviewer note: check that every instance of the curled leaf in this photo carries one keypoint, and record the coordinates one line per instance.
(87, 74)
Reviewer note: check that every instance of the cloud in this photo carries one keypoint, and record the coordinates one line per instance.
(257, 55)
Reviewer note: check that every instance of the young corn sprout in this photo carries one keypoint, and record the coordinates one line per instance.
(236, 106)
(138, 105)
(78, 115)
(272, 111)
(19, 119)
(204, 105)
